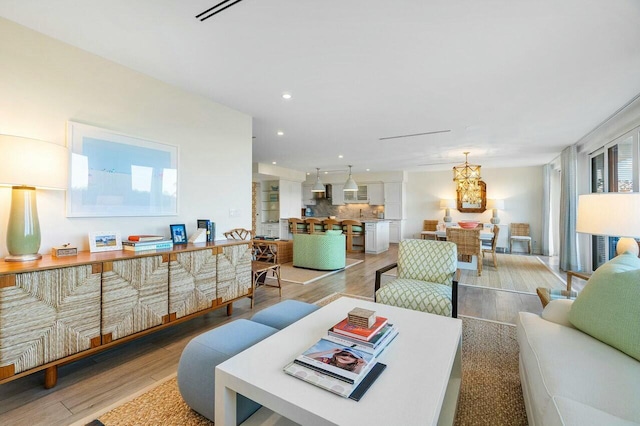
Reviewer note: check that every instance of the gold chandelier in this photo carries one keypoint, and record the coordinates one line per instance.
(467, 178)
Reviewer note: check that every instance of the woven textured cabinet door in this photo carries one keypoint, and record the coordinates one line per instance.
(135, 295)
(47, 315)
(192, 282)
(234, 272)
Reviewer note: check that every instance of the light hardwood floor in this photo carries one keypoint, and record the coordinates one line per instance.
(93, 383)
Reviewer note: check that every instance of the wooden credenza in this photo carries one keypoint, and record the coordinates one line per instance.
(57, 310)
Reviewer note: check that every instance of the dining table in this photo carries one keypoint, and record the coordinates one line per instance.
(485, 234)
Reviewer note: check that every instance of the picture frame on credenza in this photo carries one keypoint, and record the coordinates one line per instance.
(100, 241)
(179, 234)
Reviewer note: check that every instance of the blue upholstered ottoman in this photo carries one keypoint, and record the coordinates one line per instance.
(196, 370)
(284, 313)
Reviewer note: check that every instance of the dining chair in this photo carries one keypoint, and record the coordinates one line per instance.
(468, 242)
(426, 279)
(491, 248)
(431, 226)
(519, 234)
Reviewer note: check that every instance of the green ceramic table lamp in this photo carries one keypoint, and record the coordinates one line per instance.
(29, 164)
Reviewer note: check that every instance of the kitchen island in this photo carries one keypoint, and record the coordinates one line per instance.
(376, 235)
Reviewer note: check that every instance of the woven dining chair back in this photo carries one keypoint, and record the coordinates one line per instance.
(468, 242)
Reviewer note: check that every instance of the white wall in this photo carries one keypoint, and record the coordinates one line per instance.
(520, 188)
(44, 83)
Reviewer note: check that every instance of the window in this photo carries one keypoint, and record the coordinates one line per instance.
(614, 168)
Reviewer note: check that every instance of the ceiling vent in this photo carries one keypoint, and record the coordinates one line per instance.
(215, 9)
(414, 134)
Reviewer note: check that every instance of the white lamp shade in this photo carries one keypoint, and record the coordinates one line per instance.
(609, 214)
(32, 162)
(350, 185)
(447, 204)
(495, 204)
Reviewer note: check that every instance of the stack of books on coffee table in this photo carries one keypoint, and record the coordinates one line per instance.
(345, 360)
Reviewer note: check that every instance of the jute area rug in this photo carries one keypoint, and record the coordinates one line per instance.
(518, 273)
(490, 392)
(305, 276)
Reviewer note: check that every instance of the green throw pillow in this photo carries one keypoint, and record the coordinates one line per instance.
(608, 308)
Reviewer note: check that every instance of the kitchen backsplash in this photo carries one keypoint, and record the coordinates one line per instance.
(324, 208)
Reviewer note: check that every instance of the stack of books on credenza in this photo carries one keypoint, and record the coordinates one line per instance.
(146, 242)
(345, 360)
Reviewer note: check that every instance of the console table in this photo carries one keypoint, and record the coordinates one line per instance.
(57, 310)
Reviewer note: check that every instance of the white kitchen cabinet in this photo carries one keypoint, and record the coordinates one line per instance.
(337, 194)
(290, 193)
(376, 194)
(308, 199)
(394, 200)
(395, 231)
(376, 237)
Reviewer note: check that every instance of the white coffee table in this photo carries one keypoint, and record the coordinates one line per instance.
(419, 386)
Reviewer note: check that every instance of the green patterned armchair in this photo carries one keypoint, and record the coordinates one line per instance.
(426, 278)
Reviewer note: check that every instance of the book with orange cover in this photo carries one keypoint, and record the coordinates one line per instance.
(141, 238)
(362, 333)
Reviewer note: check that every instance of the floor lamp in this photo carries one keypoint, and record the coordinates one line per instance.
(29, 164)
(611, 214)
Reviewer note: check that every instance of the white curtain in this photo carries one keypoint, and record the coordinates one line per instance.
(546, 209)
(569, 258)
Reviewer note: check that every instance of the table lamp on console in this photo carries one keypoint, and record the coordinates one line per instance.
(495, 205)
(446, 205)
(612, 214)
(29, 164)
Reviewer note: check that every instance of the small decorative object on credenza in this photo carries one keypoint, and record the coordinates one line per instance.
(64, 250)
(210, 227)
(179, 234)
(200, 236)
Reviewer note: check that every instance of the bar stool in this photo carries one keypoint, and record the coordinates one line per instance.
(332, 225)
(297, 226)
(314, 226)
(353, 228)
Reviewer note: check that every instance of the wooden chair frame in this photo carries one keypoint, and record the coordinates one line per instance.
(239, 234)
(494, 242)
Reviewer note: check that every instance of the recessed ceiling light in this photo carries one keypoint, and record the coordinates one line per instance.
(368, 169)
(286, 95)
(273, 162)
(280, 133)
(340, 156)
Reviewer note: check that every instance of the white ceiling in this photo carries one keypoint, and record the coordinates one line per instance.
(514, 81)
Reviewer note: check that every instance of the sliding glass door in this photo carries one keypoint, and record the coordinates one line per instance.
(613, 169)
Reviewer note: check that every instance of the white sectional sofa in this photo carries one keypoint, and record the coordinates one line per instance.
(571, 378)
